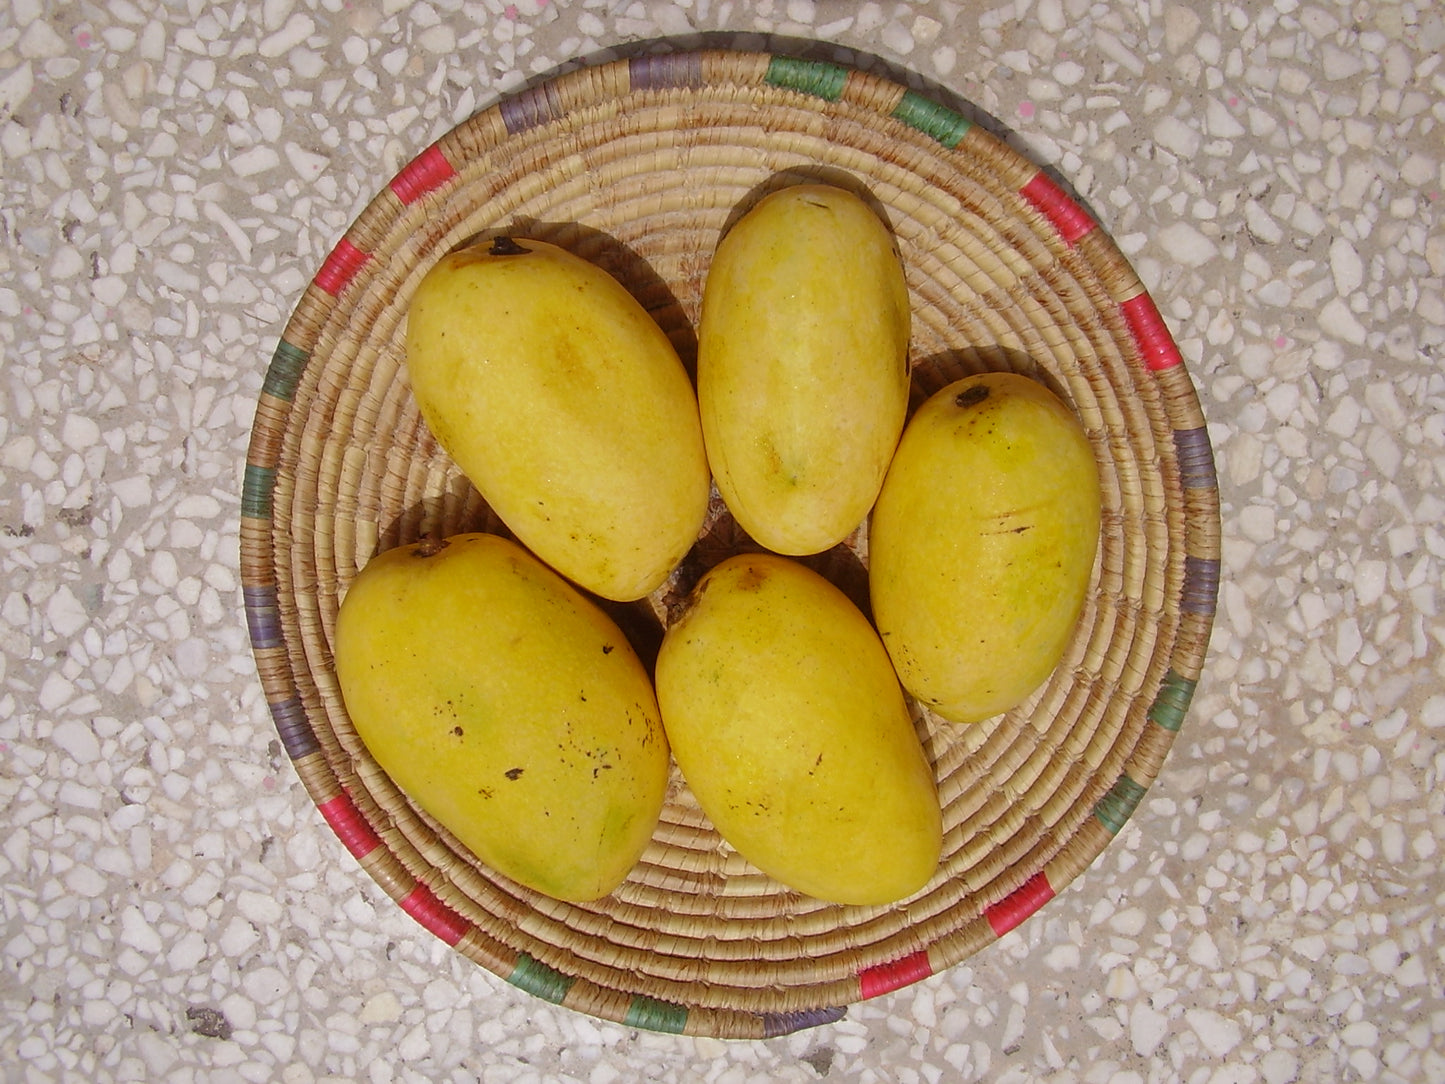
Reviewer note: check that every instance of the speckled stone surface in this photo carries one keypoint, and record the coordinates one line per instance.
(173, 908)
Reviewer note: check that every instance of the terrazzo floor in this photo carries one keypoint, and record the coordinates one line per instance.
(172, 908)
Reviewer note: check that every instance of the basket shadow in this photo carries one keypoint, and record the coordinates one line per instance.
(934, 372)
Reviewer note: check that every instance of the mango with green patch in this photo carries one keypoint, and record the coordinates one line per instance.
(509, 707)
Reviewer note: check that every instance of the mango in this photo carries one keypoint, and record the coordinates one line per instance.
(802, 368)
(788, 724)
(566, 406)
(509, 707)
(982, 544)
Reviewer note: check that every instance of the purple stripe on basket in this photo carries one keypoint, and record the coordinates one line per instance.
(785, 1023)
(664, 71)
(1201, 585)
(885, 977)
(527, 109)
(294, 728)
(263, 618)
(1196, 458)
(425, 173)
(422, 904)
(1071, 220)
(1020, 904)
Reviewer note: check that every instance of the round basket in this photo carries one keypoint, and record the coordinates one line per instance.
(639, 165)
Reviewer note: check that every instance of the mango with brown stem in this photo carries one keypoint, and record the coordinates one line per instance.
(566, 406)
(982, 544)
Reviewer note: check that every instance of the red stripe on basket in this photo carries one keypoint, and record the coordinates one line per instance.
(340, 267)
(422, 904)
(1071, 220)
(895, 974)
(1020, 903)
(349, 825)
(425, 173)
(1147, 326)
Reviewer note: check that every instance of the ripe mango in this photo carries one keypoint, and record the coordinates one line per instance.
(509, 707)
(982, 544)
(787, 722)
(566, 406)
(802, 369)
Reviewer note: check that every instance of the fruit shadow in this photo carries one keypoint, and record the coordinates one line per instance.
(459, 509)
(619, 260)
(934, 372)
(807, 173)
(721, 537)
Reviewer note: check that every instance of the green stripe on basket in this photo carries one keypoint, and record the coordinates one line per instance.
(540, 980)
(932, 119)
(256, 486)
(1115, 808)
(654, 1015)
(1170, 705)
(287, 364)
(810, 76)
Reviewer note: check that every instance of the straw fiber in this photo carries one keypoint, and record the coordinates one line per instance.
(640, 165)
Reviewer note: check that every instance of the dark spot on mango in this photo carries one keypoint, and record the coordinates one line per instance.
(513, 774)
(457, 731)
(429, 547)
(607, 649)
(971, 396)
(752, 578)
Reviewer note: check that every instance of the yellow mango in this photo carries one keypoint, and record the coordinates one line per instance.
(982, 544)
(566, 406)
(508, 706)
(802, 369)
(787, 722)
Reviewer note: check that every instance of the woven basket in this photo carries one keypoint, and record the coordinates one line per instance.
(639, 165)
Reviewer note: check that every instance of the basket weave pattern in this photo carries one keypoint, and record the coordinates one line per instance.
(639, 166)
